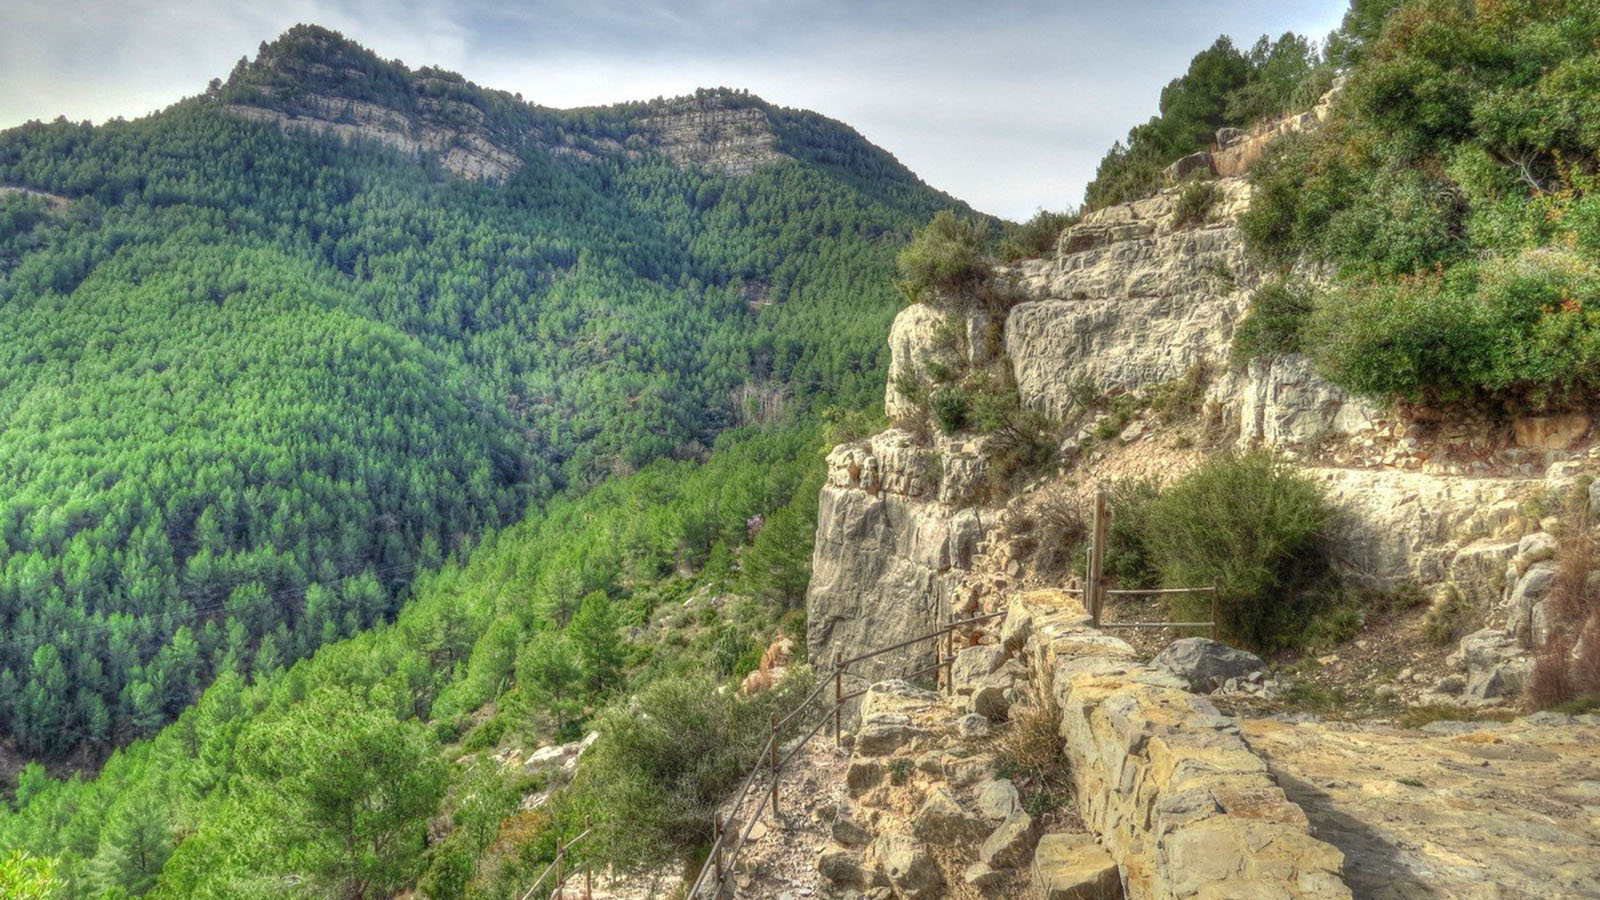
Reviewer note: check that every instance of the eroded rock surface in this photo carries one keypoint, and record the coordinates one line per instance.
(1494, 811)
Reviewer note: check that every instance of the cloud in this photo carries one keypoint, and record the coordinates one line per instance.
(1007, 104)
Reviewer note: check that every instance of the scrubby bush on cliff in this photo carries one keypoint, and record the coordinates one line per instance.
(1524, 331)
(946, 258)
(1036, 237)
(666, 759)
(1456, 193)
(1273, 326)
(1195, 202)
(1250, 525)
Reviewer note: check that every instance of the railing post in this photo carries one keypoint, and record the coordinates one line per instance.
(1093, 588)
(716, 871)
(838, 695)
(588, 869)
(949, 652)
(773, 762)
(1215, 606)
(561, 855)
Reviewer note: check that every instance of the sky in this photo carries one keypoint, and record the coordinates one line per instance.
(1007, 104)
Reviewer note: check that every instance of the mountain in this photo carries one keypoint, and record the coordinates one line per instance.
(269, 353)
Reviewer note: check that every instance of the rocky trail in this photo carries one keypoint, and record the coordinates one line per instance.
(1455, 809)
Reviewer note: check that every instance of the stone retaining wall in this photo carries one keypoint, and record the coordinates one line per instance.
(1182, 803)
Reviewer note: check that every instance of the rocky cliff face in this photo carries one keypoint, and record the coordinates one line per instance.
(712, 134)
(315, 80)
(1132, 300)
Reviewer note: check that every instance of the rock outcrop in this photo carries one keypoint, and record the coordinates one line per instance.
(894, 534)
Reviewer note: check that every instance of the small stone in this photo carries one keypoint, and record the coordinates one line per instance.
(847, 828)
(998, 799)
(984, 877)
(973, 725)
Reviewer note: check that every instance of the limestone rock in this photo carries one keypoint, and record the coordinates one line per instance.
(912, 347)
(1204, 664)
(1074, 867)
(1529, 590)
(1018, 625)
(973, 725)
(1011, 844)
(884, 733)
(942, 820)
(972, 665)
(984, 877)
(847, 828)
(998, 799)
(907, 865)
(1496, 666)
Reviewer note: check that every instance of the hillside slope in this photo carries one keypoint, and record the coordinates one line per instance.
(271, 350)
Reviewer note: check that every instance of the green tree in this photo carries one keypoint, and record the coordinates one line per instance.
(26, 877)
(593, 633)
(348, 788)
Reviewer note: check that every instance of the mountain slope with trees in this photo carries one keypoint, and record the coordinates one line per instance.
(255, 377)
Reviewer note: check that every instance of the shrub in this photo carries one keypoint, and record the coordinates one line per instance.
(1195, 202)
(666, 759)
(1036, 237)
(946, 257)
(949, 407)
(1273, 325)
(1251, 526)
(1520, 331)
(1062, 534)
(1128, 561)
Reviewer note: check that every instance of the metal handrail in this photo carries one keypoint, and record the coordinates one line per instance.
(716, 860)
(561, 853)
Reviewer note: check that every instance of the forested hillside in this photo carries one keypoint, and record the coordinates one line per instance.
(254, 376)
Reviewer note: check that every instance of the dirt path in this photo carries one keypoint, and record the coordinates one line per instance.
(1456, 810)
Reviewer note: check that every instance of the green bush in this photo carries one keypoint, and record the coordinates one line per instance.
(1195, 202)
(1274, 323)
(1036, 237)
(1524, 331)
(668, 757)
(1251, 526)
(945, 257)
(949, 407)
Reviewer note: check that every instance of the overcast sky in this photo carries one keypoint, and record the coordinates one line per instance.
(1006, 104)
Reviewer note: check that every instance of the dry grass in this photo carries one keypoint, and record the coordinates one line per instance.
(1032, 754)
(1569, 665)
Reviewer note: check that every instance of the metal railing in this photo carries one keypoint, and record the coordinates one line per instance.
(558, 868)
(728, 843)
(1095, 591)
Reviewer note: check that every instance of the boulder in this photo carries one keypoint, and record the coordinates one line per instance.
(984, 877)
(847, 827)
(973, 725)
(1011, 844)
(942, 820)
(863, 775)
(1018, 625)
(992, 700)
(1195, 163)
(906, 863)
(998, 799)
(1536, 547)
(1074, 867)
(1531, 588)
(1496, 666)
(972, 665)
(1206, 665)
